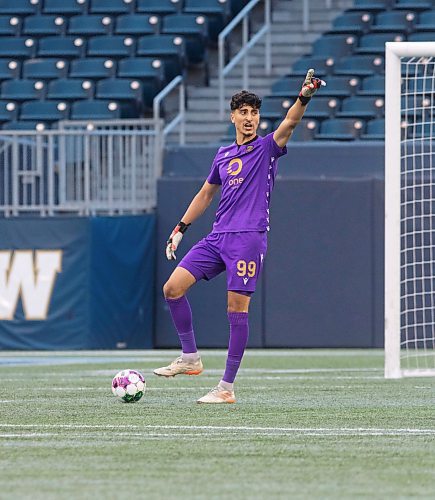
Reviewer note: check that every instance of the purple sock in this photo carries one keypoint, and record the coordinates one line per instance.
(182, 318)
(239, 332)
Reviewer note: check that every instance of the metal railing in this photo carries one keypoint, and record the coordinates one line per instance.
(87, 167)
(247, 44)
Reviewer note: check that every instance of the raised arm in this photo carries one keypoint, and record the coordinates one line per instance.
(294, 115)
(197, 207)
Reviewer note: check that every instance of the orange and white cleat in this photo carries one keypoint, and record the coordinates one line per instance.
(180, 367)
(218, 395)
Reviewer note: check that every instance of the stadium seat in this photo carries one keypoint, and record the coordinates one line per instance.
(22, 90)
(394, 21)
(89, 25)
(9, 25)
(417, 130)
(127, 92)
(70, 89)
(425, 36)
(8, 111)
(110, 6)
(373, 85)
(9, 69)
(334, 45)
(426, 21)
(19, 7)
(57, 46)
(93, 68)
(44, 69)
(375, 130)
(265, 127)
(362, 107)
(194, 29)
(95, 110)
(17, 47)
(414, 5)
(274, 108)
(287, 86)
(305, 131)
(37, 26)
(374, 43)
(24, 125)
(340, 86)
(168, 48)
(137, 24)
(356, 23)
(340, 129)
(324, 66)
(360, 65)
(322, 107)
(372, 5)
(146, 69)
(65, 7)
(45, 111)
(159, 7)
(216, 11)
(115, 46)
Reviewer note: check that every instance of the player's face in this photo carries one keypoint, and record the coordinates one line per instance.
(246, 120)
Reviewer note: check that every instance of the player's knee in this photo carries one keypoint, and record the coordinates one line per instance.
(171, 291)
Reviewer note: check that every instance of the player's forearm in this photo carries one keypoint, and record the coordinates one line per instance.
(197, 207)
(295, 114)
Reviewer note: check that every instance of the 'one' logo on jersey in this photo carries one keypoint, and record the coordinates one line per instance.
(235, 166)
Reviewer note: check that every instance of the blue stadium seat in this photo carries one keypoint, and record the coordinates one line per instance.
(373, 85)
(93, 68)
(110, 6)
(95, 110)
(414, 5)
(340, 86)
(360, 65)
(372, 5)
(22, 90)
(323, 66)
(147, 69)
(341, 129)
(321, 108)
(25, 125)
(306, 130)
(216, 11)
(375, 130)
(8, 111)
(57, 46)
(168, 48)
(275, 108)
(17, 47)
(287, 86)
(9, 69)
(159, 7)
(195, 32)
(395, 21)
(334, 45)
(9, 25)
(137, 24)
(19, 7)
(69, 89)
(362, 107)
(127, 92)
(44, 68)
(356, 23)
(426, 21)
(417, 130)
(89, 25)
(265, 127)
(115, 46)
(374, 43)
(43, 25)
(65, 7)
(44, 111)
(424, 36)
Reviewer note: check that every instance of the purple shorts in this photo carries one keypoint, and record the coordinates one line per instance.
(240, 254)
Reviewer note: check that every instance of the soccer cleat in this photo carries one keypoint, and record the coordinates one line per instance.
(218, 395)
(180, 367)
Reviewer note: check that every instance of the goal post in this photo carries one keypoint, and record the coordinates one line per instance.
(409, 209)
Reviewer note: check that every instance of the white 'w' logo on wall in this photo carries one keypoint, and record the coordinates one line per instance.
(32, 277)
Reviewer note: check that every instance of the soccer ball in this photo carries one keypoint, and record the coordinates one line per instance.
(129, 385)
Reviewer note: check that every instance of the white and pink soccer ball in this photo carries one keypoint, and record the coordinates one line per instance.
(128, 385)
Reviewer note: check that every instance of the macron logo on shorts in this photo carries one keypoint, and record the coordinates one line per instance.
(245, 280)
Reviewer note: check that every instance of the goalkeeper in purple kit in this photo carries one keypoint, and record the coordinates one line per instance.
(237, 244)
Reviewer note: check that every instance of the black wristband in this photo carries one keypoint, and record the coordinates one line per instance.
(183, 227)
(304, 100)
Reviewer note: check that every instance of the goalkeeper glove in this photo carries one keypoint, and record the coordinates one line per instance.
(309, 87)
(175, 239)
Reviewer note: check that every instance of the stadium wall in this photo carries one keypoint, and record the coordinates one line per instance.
(77, 283)
(323, 280)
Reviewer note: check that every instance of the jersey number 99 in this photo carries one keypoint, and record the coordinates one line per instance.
(244, 268)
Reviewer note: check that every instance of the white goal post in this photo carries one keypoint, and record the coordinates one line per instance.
(409, 209)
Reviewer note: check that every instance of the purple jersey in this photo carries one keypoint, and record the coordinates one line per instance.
(247, 175)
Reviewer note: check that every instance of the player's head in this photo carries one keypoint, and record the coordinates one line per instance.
(245, 114)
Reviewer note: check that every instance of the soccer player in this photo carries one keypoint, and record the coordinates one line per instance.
(237, 244)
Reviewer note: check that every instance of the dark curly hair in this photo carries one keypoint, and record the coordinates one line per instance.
(244, 97)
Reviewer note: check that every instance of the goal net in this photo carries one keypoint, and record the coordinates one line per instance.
(410, 209)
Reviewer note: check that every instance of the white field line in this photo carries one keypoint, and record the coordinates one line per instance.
(209, 429)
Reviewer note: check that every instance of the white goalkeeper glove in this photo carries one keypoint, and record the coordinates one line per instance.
(309, 87)
(175, 239)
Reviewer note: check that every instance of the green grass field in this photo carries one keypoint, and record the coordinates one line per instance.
(307, 424)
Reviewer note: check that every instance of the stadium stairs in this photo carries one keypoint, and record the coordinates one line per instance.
(289, 42)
